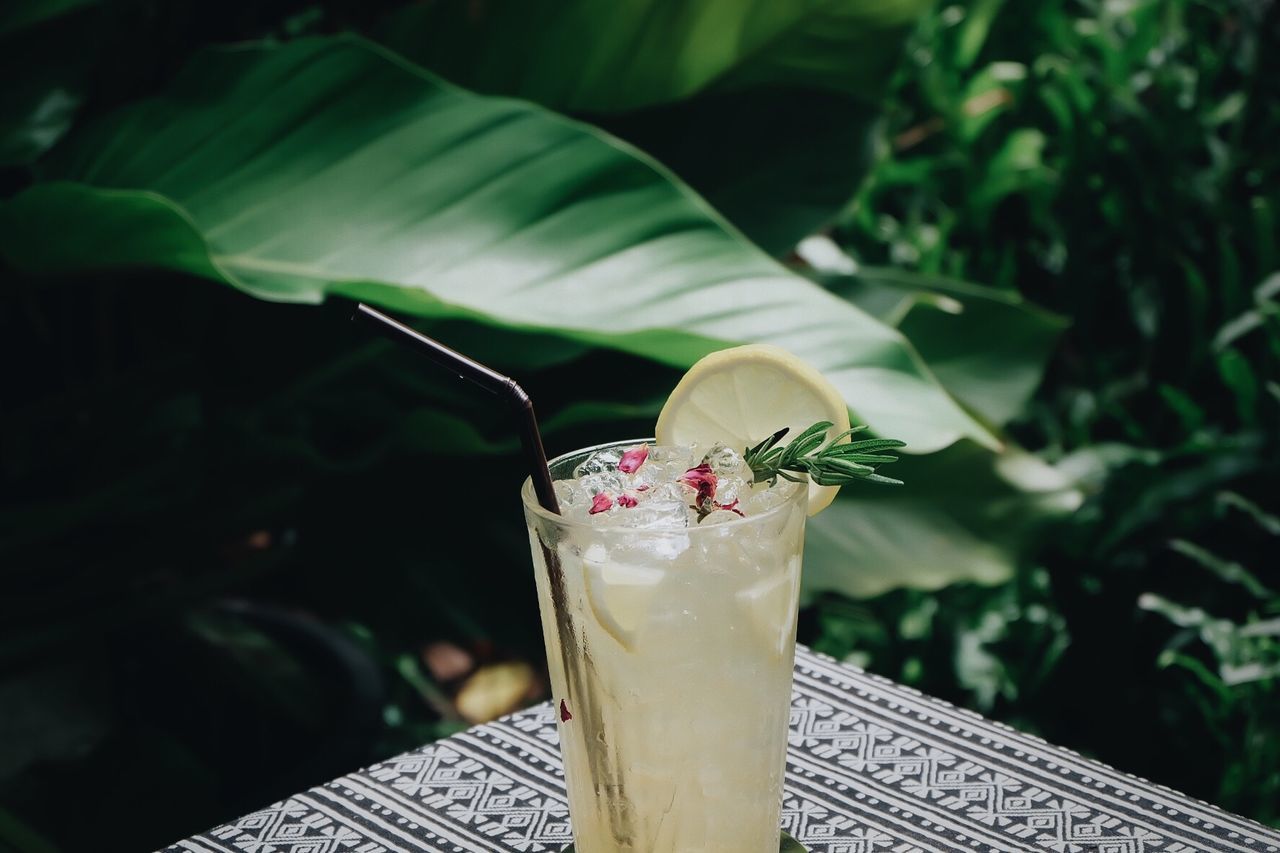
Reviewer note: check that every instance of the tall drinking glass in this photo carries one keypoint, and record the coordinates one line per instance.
(670, 652)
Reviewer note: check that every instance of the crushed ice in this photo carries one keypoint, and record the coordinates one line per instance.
(649, 486)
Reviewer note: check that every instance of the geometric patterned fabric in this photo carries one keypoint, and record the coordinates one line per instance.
(872, 767)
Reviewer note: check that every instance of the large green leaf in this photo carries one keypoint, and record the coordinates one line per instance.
(328, 167)
(814, 71)
(590, 56)
(778, 180)
(964, 514)
(950, 322)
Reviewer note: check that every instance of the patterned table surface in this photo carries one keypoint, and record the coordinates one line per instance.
(872, 766)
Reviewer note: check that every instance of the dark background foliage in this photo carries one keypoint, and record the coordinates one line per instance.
(1120, 175)
(229, 568)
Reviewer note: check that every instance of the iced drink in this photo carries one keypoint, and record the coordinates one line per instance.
(667, 590)
(667, 582)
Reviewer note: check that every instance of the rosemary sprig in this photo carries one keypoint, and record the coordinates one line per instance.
(827, 462)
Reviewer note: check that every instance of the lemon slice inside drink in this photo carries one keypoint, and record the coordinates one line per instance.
(620, 593)
(770, 605)
(743, 395)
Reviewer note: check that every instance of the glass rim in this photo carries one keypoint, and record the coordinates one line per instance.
(531, 505)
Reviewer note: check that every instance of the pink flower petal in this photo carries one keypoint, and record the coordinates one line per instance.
(732, 506)
(703, 480)
(600, 503)
(628, 501)
(633, 459)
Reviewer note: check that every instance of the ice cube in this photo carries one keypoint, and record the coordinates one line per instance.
(725, 461)
(728, 490)
(655, 474)
(653, 514)
(599, 462)
(568, 494)
(719, 516)
(667, 491)
(649, 474)
(763, 498)
(669, 455)
(609, 482)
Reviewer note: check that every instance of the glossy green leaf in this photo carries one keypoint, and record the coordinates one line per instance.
(950, 323)
(995, 375)
(328, 167)
(777, 180)
(816, 70)
(584, 55)
(963, 515)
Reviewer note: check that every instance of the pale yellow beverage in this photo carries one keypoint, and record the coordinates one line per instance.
(670, 642)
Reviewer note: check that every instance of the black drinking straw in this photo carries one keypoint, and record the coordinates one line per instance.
(488, 379)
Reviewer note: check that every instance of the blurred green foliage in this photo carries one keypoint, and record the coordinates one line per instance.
(220, 546)
(1115, 163)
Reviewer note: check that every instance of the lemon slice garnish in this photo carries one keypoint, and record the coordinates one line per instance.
(742, 395)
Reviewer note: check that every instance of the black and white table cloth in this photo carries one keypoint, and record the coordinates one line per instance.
(872, 767)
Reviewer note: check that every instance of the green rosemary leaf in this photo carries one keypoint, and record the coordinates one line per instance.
(868, 444)
(835, 463)
(839, 437)
(868, 458)
(813, 436)
(826, 461)
(769, 442)
(879, 478)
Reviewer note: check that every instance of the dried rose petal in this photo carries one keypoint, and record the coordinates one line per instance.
(600, 503)
(703, 480)
(627, 501)
(732, 506)
(565, 716)
(642, 488)
(633, 459)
